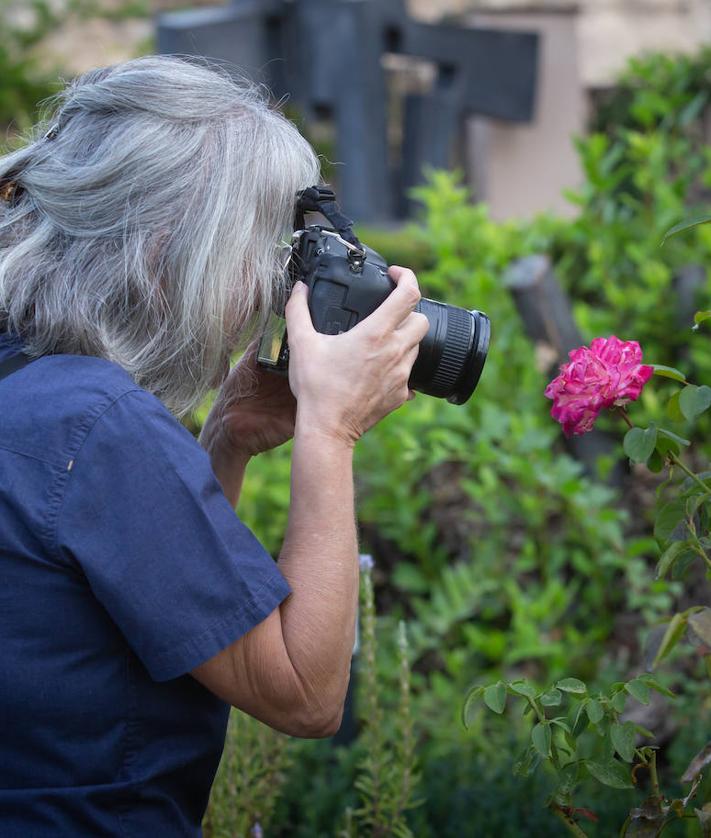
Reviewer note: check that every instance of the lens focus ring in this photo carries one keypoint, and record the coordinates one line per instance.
(455, 351)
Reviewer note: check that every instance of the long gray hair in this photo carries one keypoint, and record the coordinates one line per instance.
(145, 227)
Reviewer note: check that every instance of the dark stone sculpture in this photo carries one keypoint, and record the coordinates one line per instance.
(326, 55)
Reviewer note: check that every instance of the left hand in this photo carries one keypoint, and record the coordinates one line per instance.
(254, 410)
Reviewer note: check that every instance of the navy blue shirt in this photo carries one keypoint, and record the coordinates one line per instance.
(122, 567)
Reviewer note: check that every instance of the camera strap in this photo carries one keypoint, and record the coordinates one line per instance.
(322, 199)
(13, 364)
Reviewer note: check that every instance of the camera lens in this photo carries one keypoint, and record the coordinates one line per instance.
(452, 353)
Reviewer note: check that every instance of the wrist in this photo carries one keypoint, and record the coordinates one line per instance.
(311, 425)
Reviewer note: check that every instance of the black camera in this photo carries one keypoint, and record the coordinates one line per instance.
(348, 281)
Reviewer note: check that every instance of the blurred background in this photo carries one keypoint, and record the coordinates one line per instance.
(526, 159)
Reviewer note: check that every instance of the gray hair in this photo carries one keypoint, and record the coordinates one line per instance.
(145, 227)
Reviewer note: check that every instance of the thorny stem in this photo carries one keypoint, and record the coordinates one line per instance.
(568, 821)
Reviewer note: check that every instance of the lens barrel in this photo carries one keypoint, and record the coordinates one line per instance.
(452, 353)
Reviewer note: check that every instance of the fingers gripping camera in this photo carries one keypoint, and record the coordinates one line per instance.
(348, 281)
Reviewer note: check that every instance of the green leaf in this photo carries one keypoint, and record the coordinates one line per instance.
(668, 519)
(541, 738)
(552, 698)
(683, 226)
(669, 372)
(527, 764)
(495, 697)
(523, 688)
(669, 556)
(655, 463)
(611, 773)
(673, 409)
(700, 624)
(674, 437)
(623, 739)
(572, 685)
(639, 444)
(618, 701)
(700, 317)
(694, 400)
(594, 710)
(639, 690)
(694, 502)
(581, 721)
(674, 632)
(469, 702)
(653, 684)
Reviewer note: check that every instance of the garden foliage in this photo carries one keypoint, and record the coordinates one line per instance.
(503, 556)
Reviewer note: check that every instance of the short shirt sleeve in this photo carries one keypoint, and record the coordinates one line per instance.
(146, 520)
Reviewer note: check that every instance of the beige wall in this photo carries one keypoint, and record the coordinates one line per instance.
(520, 170)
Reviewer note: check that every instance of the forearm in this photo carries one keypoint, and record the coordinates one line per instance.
(319, 558)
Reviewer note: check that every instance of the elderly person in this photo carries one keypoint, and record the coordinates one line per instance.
(139, 247)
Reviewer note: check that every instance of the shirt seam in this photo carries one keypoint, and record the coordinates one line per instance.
(61, 483)
(31, 456)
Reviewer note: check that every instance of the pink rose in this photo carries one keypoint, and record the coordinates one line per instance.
(610, 372)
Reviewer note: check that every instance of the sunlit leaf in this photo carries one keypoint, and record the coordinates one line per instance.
(523, 688)
(669, 372)
(552, 698)
(572, 685)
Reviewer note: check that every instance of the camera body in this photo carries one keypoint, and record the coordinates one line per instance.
(347, 281)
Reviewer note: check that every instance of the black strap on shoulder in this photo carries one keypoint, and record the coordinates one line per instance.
(323, 199)
(13, 364)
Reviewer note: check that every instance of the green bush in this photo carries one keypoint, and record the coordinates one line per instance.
(502, 555)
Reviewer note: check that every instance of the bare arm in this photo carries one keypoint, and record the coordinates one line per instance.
(291, 671)
(228, 464)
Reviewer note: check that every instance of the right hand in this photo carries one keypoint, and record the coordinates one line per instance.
(346, 383)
